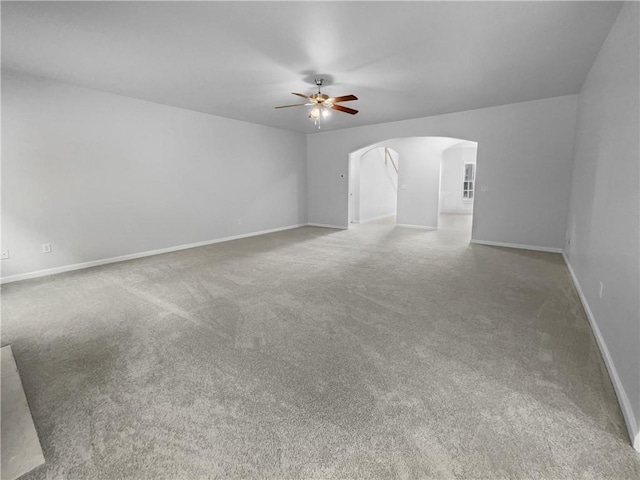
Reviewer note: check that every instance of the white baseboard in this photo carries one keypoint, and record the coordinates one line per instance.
(517, 245)
(421, 227)
(337, 227)
(122, 258)
(379, 217)
(627, 412)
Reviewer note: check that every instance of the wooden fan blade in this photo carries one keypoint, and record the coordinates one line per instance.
(294, 105)
(301, 95)
(344, 109)
(344, 98)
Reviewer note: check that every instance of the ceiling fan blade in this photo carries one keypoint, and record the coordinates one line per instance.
(294, 105)
(300, 95)
(344, 98)
(344, 109)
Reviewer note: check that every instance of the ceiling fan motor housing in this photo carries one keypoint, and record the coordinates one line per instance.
(319, 97)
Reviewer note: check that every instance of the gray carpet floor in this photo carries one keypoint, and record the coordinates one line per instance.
(378, 352)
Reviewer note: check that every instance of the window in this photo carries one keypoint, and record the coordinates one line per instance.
(469, 180)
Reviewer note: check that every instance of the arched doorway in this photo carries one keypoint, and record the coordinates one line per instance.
(432, 172)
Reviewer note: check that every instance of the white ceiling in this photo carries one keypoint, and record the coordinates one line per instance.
(240, 59)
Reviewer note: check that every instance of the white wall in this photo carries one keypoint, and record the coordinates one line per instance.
(354, 188)
(603, 233)
(452, 178)
(524, 157)
(419, 176)
(378, 182)
(99, 175)
(419, 179)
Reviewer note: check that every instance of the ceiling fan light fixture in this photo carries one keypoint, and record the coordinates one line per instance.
(322, 104)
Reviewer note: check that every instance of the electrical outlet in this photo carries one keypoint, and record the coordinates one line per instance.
(46, 248)
(484, 188)
(5, 255)
(600, 290)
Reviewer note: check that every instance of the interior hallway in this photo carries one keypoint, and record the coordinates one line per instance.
(374, 352)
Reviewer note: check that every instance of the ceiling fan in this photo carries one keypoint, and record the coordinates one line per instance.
(322, 103)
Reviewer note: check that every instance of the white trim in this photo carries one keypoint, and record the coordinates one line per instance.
(627, 412)
(421, 227)
(379, 217)
(457, 212)
(517, 245)
(122, 258)
(337, 227)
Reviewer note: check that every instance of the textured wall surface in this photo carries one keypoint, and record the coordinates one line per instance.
(99, 175)
(603, 234)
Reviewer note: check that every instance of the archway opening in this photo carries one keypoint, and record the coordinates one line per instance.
(457, 191)
(433, 179)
